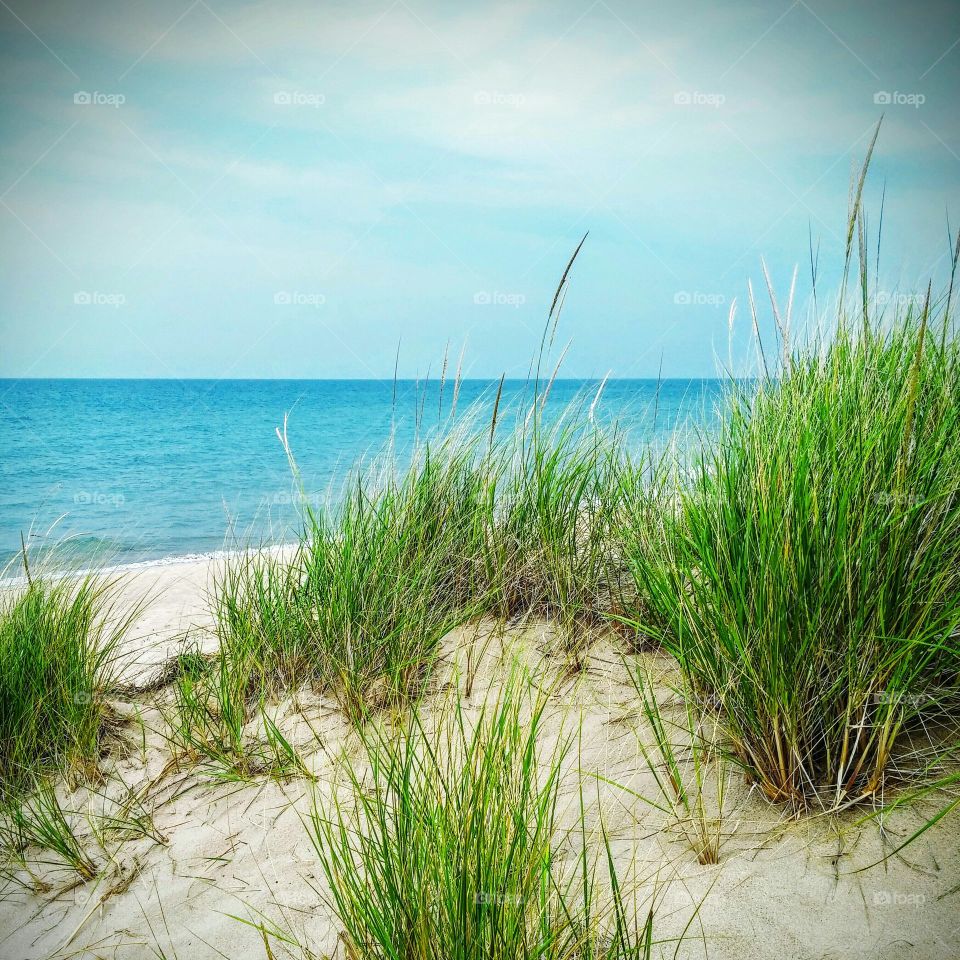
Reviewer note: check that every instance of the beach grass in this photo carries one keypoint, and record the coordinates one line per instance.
(391, 572)
(553, 540)
(446, 844)
(473, 525)
(39, 821)
(359, 609)
(806, 574)
(58, 645)
(803, 565)
(801, 562)
(686, 755)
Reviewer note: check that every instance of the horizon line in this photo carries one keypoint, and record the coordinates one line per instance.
(429, 379)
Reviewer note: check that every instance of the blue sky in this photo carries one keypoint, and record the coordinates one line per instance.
(251, 189)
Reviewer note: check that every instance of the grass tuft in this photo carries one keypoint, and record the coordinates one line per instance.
(809, 577)
(447, 846)
(58, 659)
(40, 821)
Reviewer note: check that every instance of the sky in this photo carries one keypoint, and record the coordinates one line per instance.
(204, 188)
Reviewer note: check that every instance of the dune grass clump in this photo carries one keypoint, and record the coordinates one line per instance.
(477, 523)
(559, 497)
(219, 716)
(359, 609)
(58, 645)
(394, 569)
(810, 575)
(446, 847)
(41, 822)
(474, 525)
(260, 623)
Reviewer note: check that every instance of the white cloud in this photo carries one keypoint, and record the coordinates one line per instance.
(453, 150)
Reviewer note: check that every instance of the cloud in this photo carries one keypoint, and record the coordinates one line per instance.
(404, 156)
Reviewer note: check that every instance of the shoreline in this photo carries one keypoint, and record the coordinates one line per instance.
(138, 566)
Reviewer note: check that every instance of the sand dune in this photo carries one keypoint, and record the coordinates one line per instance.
(222, 852)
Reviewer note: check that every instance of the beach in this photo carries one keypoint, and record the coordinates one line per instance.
(479, 482)
(229, 864)
(520, 682)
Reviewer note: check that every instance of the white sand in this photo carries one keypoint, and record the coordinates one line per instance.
(783, 888)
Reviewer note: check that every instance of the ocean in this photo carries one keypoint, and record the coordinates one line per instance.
(130, 471)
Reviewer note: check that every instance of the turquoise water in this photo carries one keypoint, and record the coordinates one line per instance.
(137, 470)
